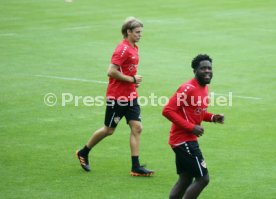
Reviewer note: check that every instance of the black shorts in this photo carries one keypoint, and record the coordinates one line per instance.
(116, 110)
(188, 158)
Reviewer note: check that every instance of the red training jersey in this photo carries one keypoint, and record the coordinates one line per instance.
(185, 109)
(126, 57)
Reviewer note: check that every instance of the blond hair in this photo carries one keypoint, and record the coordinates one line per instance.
(130, 24)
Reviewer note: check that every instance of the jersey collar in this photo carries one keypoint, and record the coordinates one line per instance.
(129, 44)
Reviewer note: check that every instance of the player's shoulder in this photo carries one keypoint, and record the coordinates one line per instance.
(187, 86)
(122, 47)
(121, 50)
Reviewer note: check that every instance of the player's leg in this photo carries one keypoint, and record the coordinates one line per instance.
(134, 141)
(196, 187)
(112, 117)
(199, 170)
(178, 190)
(136, 130)
(182, 162)
(134, 120)
(136, 169)
(97, 136)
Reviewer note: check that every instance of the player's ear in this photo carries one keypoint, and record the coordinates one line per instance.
(128, 31)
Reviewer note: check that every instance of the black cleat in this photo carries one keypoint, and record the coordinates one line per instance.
(141, 171)
(83, 161)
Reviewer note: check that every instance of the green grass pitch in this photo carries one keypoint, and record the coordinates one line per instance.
(76, 40)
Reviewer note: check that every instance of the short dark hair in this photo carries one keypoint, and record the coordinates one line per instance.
(130, 24)
(198, 59)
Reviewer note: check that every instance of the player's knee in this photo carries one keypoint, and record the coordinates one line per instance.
(137, 129)
(109, 131)
(205, 180)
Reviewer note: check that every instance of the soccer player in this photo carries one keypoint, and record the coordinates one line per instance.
(186, 109)
(121, 97)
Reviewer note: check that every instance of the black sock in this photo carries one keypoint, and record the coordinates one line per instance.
(85, 150)
(135, 161)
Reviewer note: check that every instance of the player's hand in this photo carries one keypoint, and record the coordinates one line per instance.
(138, 79)
(137, 85)
(218, 118)
(198, 130)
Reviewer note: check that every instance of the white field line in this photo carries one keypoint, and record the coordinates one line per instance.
(103, 82)
(239, 96)
(72, 79)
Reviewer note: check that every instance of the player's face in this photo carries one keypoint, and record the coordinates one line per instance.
(135, 34)
(204, 72)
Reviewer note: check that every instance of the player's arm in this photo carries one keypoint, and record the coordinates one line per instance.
(217, 118)
(116, 74)
(171, 110)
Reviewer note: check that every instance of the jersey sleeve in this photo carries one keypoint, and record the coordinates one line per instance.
(120, 55)
(173, 109)
(208, 117)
